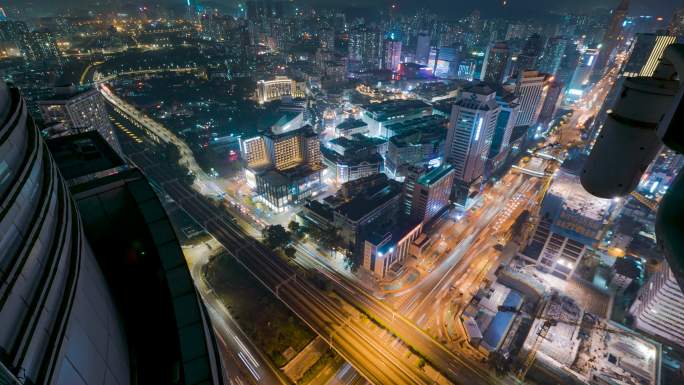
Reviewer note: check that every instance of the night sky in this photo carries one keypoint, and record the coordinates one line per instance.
(449, 8)
(519, 8)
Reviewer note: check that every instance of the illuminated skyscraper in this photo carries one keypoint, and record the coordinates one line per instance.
(553, 54)
(423, 47)
(551, 102)
(612, 37)
(568, 63)
(646, 54)
(529, 57)
(582, 75)
(496, 64)
(471, 127)
(365, 46)
(391, 52)
(530, 90)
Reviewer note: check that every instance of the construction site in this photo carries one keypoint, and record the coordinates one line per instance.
(522, 326)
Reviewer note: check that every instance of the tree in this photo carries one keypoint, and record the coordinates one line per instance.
(290, 252)
(351, 263)
(275, 236)
(313, 231)
(295, 229)
(293, 226)
(330, 239)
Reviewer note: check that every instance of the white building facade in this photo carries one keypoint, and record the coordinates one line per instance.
(659, 307)
(469, 136)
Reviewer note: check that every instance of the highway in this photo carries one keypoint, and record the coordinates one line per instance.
(98, 78)
(358, 341)
(236, 344)
(469, 243)
(243, 362)
(203, 183)
(355, 338)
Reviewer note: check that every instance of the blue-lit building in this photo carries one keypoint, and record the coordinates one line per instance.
(553, 55)
(447, 63)
(496, 64)
(427, 192)
(580, 81)
(508, 115)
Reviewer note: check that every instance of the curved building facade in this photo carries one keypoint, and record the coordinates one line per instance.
(58, 323)
(94, 288)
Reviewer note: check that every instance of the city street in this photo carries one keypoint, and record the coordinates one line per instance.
(355, 339)
(419, 309)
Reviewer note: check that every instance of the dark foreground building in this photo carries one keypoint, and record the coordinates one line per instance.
(94, 288)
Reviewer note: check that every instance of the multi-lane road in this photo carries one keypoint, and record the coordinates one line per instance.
(381, 357)
(354, 337)
(362, 343)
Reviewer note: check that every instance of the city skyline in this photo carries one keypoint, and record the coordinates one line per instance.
(341, 193)
(489, 8)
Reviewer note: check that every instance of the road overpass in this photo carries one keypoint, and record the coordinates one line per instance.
(356, 341)
(354, 337)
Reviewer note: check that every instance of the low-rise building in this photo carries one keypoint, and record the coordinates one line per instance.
(284, 164)
(348, 168)
(491, 318)
(357, 144)
(419, 146)
(387, 249)
(274, 89)
(379, 115)
(279, 189)
(366, 211)
(350, 127)
(421, 123)
(351, 189)
(315, 213)
(348, 159)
